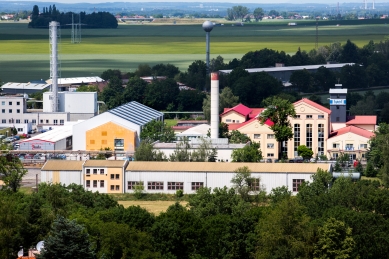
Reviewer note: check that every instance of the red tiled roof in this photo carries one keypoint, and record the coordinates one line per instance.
(352, 129)
(312, 103)
(255, 112)
(362, 120)
(240, 108)
(181, 127)
(234, 126)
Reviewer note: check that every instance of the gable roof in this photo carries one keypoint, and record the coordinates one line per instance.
(62, 165)
(362, 120)
(352, 129)
(235, 126)
(312, 103)
(240, 108)
(136, 113)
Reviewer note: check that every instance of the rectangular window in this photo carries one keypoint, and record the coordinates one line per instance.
(132, 185)
(112, 187)
(18, 121)
(257, 136)
(94, 183)
(309, 136)
(47, 121)
(349, 146)
(297, 116)
(33, 122)
(11, 120)
(335, 145)
(363, 146)
(155, 185)
(87, 183)
(270, 154)
(117, 187)
(10, 111)
(320, 116)
(104, 142)
(112, 176)
(337, 119)
(228, 120)
(117, 176)
(296, 184)
(270, 136)
(10, 103)
(87, 172)
(41, 121)
(20, 129)
(296, 139)
(119, 142)
(320, 139)
(270, 145)
(255, 184)
(2, 110)
(17, 103)
(3, 103)
(309, 116)
(61, 122)
(335, 155)
(3, 121)
(94, 171)
(92, 141)
(25, 121)
(175, 185)
(197, 185)
(101, 183)
(55, 122)
(17, 110)
(101, 171)
(103, 133)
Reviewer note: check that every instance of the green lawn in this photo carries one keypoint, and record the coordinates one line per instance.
(24, 53)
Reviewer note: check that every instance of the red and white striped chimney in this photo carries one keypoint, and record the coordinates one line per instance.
(214, 105)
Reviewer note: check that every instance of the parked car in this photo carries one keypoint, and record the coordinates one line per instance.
(16, 137)
(43, 130)
(9, 139)
(297, 159)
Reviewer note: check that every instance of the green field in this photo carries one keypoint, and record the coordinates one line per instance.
(24, 53)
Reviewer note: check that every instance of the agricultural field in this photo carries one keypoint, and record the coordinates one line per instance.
(24, 53)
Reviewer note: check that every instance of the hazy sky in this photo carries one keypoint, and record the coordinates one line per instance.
(209, 1)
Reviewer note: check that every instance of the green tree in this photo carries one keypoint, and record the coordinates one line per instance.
(302, 80)
(249, 153)
(111, 73)
(226, 100)
(13, 171)
(258, 14)
(87, 88)
(160, 93)
(146, 152)
(168, 70)
(278, 112)
(157, 130)
(350, 53)
(244, 184)
(182, 152)
(143, 70)
(364, 107)
(237, 137)
(240, 12)
(335, 240)
(304, 151)
(278, 194)
(66, 240)
(135, 90)
(204, 152)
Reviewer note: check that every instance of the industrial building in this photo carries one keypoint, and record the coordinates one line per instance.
(283, 73)
(60, 138)
(71, 83)
(167, 177)
(23, 88)
(118, 129)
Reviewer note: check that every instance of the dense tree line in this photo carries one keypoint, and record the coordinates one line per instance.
(93, 20)
(327, 219)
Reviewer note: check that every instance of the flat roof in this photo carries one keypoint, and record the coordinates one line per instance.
(225, 167)
(25, 86)
(53, 135)
(338, 91)
(63, 165)
(77, 80)
(291, 68)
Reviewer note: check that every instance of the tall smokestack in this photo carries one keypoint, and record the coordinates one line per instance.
(214, 105)
(54, 64)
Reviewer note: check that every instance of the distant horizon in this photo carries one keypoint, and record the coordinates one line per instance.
(204, 1)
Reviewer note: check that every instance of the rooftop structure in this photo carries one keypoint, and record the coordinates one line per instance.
(23, 88)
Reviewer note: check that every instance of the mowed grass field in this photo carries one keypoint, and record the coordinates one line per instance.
(155, 207)
(25, 54)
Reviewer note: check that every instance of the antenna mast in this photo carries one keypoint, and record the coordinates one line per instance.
(76, 30)
(317, 33)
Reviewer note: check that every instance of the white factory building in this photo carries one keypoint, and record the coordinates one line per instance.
(167, 177)
(73, 106)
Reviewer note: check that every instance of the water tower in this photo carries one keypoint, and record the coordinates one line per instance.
(207, 27)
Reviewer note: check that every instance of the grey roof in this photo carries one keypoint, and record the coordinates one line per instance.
(136, 113)
(25, 86)
(291, 68)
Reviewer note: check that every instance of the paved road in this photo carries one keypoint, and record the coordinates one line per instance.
(29, 180)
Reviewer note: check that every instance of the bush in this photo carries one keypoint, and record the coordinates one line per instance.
(370, 170)
(179, 193)
(138, 192)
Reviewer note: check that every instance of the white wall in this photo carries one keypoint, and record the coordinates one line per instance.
(72, 102)
(65, 177)
(210, 180)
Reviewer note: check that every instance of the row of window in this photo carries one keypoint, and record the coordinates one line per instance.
(308, 116)
(160, 185)
(101, 184)
(33, 121)
(349, 146)
(9, 103)
(95, 171)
